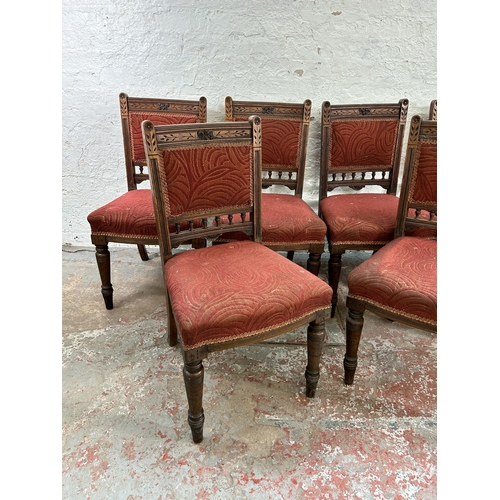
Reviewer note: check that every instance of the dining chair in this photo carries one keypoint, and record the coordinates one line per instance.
(361, 147)
(288, 223)
(129, 218)
(399, 282)
(433, 110)
(231, 294)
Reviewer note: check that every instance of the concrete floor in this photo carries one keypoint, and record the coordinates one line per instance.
(124, 409)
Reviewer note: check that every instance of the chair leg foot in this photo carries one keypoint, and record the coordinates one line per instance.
(104, 265)
(143, 252)
(315, 339)
(350, 365)
(193, 380)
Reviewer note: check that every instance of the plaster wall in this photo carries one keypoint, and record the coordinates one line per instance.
(355, 51)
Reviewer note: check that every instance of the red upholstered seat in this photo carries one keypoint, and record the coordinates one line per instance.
(366, 219)
(360, 218)
(286, 219)
(130, 215)
(401, 278)
(215, 299)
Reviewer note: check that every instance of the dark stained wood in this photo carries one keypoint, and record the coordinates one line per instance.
(104, 266)
(193, 381)
(315, 338)
(354, 326)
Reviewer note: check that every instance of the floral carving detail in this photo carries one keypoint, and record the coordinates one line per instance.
(268, 110)
(364, 111)
(163, 106)
(205, 135)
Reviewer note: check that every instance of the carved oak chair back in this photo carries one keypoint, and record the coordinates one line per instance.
(288, 223)
(399, 282)
(231, 294)
(130, 217)
(433, 110)
(361, 147)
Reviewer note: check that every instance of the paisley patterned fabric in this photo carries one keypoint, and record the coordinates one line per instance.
(360, 218)
(238, 290)
(285, 219)
(136, 118)
(401, 277)
(280, 141)
(192, 167)
(359, 143)
(130, 215)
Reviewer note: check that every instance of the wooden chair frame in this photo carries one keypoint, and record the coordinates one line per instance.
(357, 178)
(161, 138)
(136, 175)
(433, 110)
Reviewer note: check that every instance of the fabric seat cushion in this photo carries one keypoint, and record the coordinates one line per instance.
(360, 218)
(237, 290)
(130, 215)
(400, 277)
(286, 219)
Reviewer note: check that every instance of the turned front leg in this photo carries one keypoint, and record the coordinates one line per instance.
(315, 339)
(354, 326)
(104, 265)
(314, 263)
(193, 380)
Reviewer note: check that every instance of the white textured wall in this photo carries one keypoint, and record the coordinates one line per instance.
(344, 51)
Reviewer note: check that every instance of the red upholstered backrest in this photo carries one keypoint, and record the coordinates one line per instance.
(285, 130)
(417, 211)
(207, 177)
(362, 143)
(423, 187)
(138, 153)
(280, 140)
(205, 171)
(159, 111)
